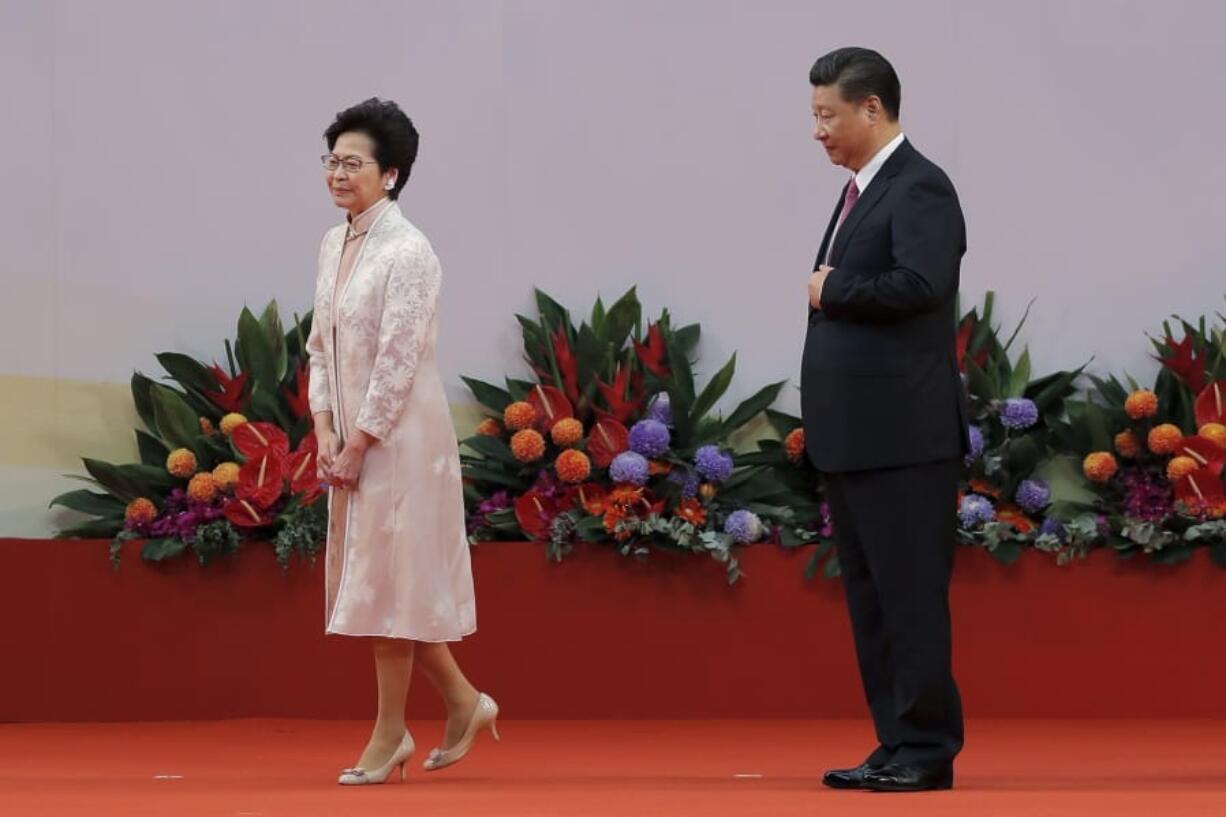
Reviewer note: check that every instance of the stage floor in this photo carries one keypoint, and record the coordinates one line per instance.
(282, 768)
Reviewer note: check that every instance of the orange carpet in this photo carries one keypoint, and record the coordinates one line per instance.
(280, 768)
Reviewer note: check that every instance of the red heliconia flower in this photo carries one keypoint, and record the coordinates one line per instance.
(567, 365)
(230, 398)
(651, 354)
(1211, 404)
(302, 466)
(606, 440)
(261, 479)
(535, 512)
(965, 331)
(550, 405)
(246, 514)
(299, 400)
(1185, 363)
(622, 407)
(252, 439)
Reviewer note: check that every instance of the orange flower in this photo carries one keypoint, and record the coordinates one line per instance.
(1215, 433)
(656, 467)
(489, 427)
(140, 511)
(626, 495)
(230, 422)
(519, 416)
(1100, 466)
(566, 432)
(794, 444)
(572, 466)
(1180, 467)
(979, 486)
(528, 445)
(612, 517)
(1164, 439)
(1015, 517)
(181, 463)
(206, 427)
(202, 488)
(593, 499)
(1127, 445)
(691, 511)
(1141, 404)
(225, 476)
(706, 491)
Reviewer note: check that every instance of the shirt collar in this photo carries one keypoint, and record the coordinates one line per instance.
(865, 177)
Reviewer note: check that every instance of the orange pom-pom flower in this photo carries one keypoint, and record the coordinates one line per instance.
(181, 463)
(1127, 445)
(528, 445)
(230, 422)
(1141, 404)
(225, 476)
(573, 466)
(140, 511)
(1100, 466)
(566, 432)
(1164, 439)
(1180, 467)
(489, 427)
(519, 416)
(202, 488)
(794, 445)
(1214, 433)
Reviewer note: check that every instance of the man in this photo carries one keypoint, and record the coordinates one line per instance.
(885, 417)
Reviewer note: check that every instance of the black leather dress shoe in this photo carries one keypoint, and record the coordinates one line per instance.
(899, 778)
(848, 778)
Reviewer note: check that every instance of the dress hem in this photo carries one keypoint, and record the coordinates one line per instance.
(461, 637)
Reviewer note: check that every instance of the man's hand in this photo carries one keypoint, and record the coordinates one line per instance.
(816, 281)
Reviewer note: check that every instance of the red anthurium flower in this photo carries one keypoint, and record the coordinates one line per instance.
(252, 439)
(1211, 404)
(246, 514)
(535, 512)
(567, 366)
(261, 479)
(651, 354)
(302, 466)
(593, 498)
(1185, 363)
(230, 398)
(299, 399)
(1200, 490)
(1206, 453)
(607, 439)
(551, 405)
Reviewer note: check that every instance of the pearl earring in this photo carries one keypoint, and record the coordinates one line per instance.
(389, 185)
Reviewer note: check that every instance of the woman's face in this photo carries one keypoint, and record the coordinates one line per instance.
(356, 190)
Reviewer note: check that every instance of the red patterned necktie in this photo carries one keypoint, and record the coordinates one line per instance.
(849, 200)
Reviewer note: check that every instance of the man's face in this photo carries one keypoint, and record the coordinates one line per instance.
(844, 128)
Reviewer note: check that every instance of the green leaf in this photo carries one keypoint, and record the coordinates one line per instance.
(483, 473)
(176, 420)
(270, 321)
(124, 486)
(255, 354)
(492, 447)
(144, 403)
(93, 529)
(90, 502)
(714, 390)
(553, 313)
(783, 424)
(622, 317)
(152, 450)
(1021, 375)
(159, 550)
(1006, 552)
(1218, 554)
(488, 395)
(753, 406)
(188, 371)
(519, 389)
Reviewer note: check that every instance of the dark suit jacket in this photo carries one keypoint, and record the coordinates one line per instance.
(880, 386)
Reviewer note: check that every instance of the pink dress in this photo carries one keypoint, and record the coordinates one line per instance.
(397, 561)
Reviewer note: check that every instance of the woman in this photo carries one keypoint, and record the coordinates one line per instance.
(397, 565)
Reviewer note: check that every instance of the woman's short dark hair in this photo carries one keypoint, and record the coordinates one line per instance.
(389, 128)
(859, 73)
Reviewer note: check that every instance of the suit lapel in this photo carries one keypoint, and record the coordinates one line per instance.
(869, 198)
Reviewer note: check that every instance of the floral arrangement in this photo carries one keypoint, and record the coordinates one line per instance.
(227, 455)
(613, 443)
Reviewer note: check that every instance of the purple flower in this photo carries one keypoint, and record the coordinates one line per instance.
(744, 527)
(629, 466)
(827, 529)
(976, 436)
(496, 502)
(688, 481)
(1148, 496)
(1032, 495)
(1053, 527)
(547, 484)
(649, 438)
(660, 409)
(712, 463)
(975, 510)
(1019, 413)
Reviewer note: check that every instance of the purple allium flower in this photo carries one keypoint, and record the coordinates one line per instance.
(975, 510)
(1019, 413)
(631, 467)
(976, 436)
(660, 409)
(1032, 495)
(688, 481)
(1148, 496)
(1053, 527)
(712, 463)
(744, 527)
(649, 438)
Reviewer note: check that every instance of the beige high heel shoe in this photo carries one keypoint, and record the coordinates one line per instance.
(485, 716)
(363, 777)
